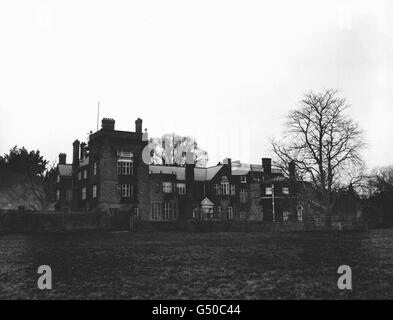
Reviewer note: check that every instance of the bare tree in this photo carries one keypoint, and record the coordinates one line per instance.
(324, 143)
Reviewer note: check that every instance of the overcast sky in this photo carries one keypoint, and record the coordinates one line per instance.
(225, 72)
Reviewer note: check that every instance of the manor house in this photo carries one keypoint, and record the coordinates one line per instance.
(109, 173)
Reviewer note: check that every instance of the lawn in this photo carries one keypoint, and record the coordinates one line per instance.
(198, 265)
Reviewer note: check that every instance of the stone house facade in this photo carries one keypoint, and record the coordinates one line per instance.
(109, 174)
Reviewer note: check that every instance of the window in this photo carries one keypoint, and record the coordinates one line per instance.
(84, 174)
(126, 190)
(225, 185)
(167, 187)
(195, 213)
(243, 179)
(167, 211)
(285, 215)
(243, 195)
(285, 190)
(95, 168)
(268, 191)
(58, 195)
(217, 189)
(58, 178)
(94, 191)
(156, 211)
(125, 167)
(137, 212)
(181, 188)
(124, 154)
(230, 213)
(233, 190)
(84, 193)
(79, 175)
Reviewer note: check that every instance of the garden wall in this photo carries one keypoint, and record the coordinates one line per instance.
(20, 221)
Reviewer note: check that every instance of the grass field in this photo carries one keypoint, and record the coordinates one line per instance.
(198, 265)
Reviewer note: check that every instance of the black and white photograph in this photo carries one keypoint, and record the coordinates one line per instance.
(199, 155)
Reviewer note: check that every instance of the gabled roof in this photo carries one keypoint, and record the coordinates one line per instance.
(206, 174)
(65, 169)
(207, 202)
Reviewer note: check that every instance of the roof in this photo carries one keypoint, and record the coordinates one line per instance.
(65, 169)
(200, 174)
(241, 169)
(240, 172)
(180, 172)
(206, 174)
(276, 179)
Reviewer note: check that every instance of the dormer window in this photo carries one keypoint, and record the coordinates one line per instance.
(243, 179)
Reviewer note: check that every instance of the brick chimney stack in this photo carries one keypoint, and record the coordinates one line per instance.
(108, 124)
(82, 150)
(62, 158)
(138, 125)
(75, 153)
(267, 166)
(190, 165)
(228, 162)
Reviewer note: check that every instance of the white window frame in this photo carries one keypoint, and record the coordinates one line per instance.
(217, 189)
(243, 179)
(156, 212)
(84, 193)
(95, 168)
(126, 190)
(124, 154)
(167, 211)
(268, 191)
(243, 195)
(230, 213)
(225, 186)
(167, 187)
(181, 188)
(94, 191)
(233, 190)
(285, 190)
(125, 167)
(85, 174)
